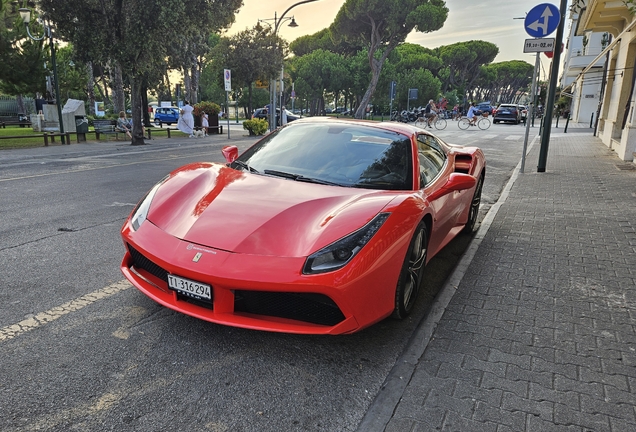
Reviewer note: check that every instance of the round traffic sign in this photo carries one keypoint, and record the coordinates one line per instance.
(542, 20)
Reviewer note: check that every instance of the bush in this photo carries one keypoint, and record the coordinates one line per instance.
(256, 126)
(210, 108)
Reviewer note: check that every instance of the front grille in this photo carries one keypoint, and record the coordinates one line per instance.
(311, 308)
(143, 263)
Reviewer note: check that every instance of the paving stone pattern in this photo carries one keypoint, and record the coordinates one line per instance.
(541, 334)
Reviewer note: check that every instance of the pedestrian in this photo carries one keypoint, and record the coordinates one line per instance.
(283, 116)
(186, 120)
(123, 124)
(204, 123)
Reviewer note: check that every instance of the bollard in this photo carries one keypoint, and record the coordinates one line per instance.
(591, 120)
(567, 122)
(557, 122)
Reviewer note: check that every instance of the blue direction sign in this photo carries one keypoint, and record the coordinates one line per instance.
(542, 20)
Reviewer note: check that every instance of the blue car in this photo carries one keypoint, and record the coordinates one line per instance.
(167, 115)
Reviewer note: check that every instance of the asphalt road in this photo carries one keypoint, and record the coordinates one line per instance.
(81, 350)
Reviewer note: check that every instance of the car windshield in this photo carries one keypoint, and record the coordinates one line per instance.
(339, 154)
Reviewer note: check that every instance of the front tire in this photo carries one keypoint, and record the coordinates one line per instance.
(411, 274)
(483, 123)
(440, 123)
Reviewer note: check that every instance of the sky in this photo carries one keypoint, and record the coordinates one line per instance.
(489, 20)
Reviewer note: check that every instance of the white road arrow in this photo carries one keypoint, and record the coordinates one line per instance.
(547, 13)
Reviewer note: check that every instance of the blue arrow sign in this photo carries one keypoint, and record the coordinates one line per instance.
(542, 20)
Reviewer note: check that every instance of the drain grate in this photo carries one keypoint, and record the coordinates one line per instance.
(626, 167)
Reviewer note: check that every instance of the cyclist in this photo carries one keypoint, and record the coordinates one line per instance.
(430, 113)
(472, 114)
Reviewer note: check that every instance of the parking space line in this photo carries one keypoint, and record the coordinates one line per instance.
(31, 323)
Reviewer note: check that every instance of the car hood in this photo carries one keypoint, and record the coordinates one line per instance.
(219, 207)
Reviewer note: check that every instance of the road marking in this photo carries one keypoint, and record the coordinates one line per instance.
(31, 323)
(512, 137)
(95, 168)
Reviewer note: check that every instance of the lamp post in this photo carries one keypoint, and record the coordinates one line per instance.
(272, 84)
(25, 14)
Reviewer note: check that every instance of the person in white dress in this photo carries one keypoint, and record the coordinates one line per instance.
(186, 120)
(283, 115)
(204, 123)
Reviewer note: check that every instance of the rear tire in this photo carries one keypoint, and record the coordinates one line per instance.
(474, 207)
(463, 123)
(411, 274)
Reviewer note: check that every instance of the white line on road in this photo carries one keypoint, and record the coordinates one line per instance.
(31, 323)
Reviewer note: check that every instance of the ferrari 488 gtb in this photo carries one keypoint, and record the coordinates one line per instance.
(323, 226)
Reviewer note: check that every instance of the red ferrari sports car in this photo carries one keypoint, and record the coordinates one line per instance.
(324, 226)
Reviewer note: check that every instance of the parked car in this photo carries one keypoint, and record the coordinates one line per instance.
(322, 227)
(167, 115)
(483, 107)
(524, 112)
(261, 113)
(507, 113)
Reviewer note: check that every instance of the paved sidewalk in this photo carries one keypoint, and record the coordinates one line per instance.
(541, 332)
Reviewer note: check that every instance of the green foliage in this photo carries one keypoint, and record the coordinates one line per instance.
(210, 108)
(20, 54)
(382, 26)
(256, 126)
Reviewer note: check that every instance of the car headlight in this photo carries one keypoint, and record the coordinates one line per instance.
(340, 252)
(141, 211)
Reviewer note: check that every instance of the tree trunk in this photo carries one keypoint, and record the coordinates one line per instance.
(90, 88)
(376, 69)
(195, 72)
(187, 85)
(20, 102)
(137, 132)
(117, 85)
(144, 106)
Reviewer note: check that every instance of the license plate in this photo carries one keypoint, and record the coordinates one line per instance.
(190, 288)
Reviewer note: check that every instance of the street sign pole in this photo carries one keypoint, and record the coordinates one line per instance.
(530, 112)
(547, 123)
(227, 77)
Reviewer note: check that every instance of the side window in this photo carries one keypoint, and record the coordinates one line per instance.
(431, 158)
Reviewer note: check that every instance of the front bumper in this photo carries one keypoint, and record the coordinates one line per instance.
(261, 292)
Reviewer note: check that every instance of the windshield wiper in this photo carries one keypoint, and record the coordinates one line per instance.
(245, 166)
(300, 178)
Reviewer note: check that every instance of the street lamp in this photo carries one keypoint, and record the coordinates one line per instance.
(272, 85)
(25, 14)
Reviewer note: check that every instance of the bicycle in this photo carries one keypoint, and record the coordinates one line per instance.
(483, 123)
(439, 123)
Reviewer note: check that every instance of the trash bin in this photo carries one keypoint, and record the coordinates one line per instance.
(81, 127)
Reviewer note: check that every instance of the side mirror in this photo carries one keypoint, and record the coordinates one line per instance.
(456, 182)
(230, 153)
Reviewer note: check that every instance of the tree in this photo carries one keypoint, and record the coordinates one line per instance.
(316, 73)
(136, 35)
(505, 80)
(382, 25)
(464, 61)
(19, 53)
(253, 54)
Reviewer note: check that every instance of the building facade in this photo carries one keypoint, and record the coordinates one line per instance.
(609, 23)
